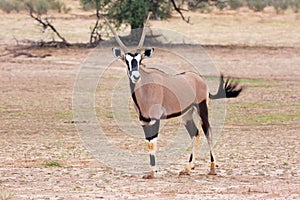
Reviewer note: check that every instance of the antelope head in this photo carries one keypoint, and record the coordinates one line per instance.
(132, 60)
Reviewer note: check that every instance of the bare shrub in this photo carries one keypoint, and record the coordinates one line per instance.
(257, 5)
(40, 6)
(6, 5)
(235, 4)
(221, 5)
(295, 5)
(280, 5)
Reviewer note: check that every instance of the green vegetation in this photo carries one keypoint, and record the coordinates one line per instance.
(6, 196)
(258, 83)
(202, 6)
(235, 4)
(280, 5)
(257, 5)
(7, 6)
(221, 5)
(39, 6)
(3, 107)
(132, 12)
(269, 119)
(64, 114)
(263, 113)
(264, 85)
(53, 164)
(295, 5)
(251, 80)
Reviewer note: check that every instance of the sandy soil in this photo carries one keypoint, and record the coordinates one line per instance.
(42, 156)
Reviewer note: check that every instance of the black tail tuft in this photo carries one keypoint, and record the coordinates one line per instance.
(229, 89)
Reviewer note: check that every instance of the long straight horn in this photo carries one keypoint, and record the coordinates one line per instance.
(119, 41)
(143, 34)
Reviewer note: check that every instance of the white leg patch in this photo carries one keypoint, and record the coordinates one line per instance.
(152, 122)
(152, 146)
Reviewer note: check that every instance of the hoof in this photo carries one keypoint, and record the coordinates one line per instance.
(213, 169)
(185, 172)
(149, 175)
(212, 173)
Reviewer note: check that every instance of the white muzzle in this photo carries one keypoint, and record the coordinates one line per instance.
(135, 76)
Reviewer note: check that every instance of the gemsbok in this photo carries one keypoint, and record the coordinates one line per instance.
(157, 95)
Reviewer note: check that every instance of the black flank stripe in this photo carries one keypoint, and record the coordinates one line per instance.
(179, 113)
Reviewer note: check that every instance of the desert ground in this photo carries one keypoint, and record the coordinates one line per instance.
(43, 157)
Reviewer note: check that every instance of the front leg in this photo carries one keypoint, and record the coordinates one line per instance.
(151, 134)
(152, 146)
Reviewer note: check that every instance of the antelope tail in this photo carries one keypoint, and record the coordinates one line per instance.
(228, 89)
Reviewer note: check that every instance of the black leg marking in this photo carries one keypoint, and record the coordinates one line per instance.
(211, 157)
(191, 157)
(152, 160)
(203, 113)
(191, 128)
(152, 137)
(194, 134)
(151, 131)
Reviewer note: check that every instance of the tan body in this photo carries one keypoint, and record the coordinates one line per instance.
(160, 95)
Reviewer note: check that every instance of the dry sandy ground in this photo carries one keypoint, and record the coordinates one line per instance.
(258, 153)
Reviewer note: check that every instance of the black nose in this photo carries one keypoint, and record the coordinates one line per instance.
(136, 77)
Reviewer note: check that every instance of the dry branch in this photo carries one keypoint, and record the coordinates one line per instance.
(95, 37)
(178, 9)
(46, 24)
(17, 53)
(28, 54)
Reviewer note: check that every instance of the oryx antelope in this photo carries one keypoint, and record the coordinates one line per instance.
(157, 95)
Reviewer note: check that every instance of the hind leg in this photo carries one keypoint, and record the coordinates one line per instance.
(194, 134)
(203, 113)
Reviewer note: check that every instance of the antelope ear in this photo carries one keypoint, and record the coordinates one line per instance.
(117, 52)
(148, 52)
